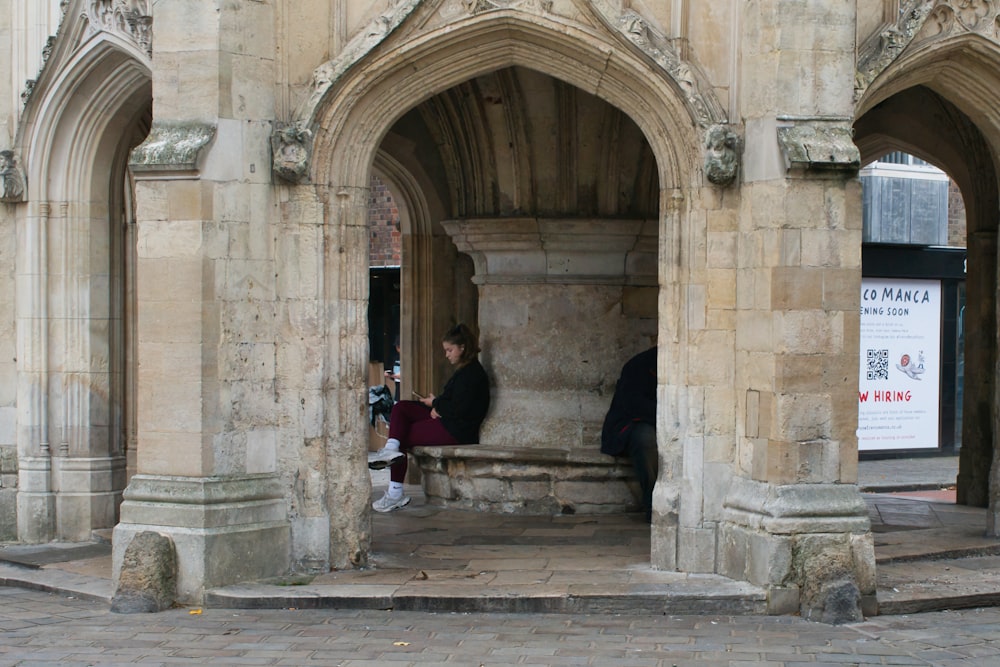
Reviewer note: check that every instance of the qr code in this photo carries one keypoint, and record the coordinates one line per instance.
(878, 364)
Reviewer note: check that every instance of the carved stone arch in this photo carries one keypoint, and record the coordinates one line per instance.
(90, 107)
(415, 218)
(939, 99)
(920, 25)
(580, 57)
(349, 122)
(611, 28)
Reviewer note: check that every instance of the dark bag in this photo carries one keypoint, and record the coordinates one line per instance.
(379, 404)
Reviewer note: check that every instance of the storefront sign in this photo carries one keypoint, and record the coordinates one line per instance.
(899, 385)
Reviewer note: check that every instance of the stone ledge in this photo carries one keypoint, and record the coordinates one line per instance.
(525, 480)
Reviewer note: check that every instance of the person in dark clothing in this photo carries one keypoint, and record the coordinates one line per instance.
(453, 418)
(630, 425)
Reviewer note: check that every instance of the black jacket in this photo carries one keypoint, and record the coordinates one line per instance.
(464, 402)
(634, 401)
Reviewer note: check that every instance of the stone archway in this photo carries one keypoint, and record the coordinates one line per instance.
(938, 100)
(345, 126)
(90, 108)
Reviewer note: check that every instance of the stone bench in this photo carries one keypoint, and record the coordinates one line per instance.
(526, 480)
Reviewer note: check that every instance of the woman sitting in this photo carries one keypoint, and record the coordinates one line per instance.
(453, 418)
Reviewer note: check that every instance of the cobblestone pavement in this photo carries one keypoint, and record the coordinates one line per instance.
(38, 628)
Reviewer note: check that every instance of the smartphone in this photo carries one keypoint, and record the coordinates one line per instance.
(418, 396)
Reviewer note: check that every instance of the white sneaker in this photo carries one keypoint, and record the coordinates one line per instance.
(387, 504)
(383, 458)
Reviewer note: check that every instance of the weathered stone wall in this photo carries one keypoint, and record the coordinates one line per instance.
(251, 284)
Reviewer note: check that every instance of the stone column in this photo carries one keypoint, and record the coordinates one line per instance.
(35, 497)
(209, 428)
(794, 520)
(979, 394)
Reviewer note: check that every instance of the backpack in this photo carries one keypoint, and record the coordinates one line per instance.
(379, 403)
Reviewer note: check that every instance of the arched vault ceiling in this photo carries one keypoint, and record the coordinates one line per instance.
(921, 122)
(518, 142)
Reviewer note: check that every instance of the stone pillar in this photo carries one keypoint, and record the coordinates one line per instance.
(209, 428)
(794, 521)
(35, 497)
(979, 394)
(562, 305)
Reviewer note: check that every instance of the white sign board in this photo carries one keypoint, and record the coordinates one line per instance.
(899, 385)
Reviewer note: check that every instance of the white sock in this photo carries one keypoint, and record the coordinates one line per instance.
(392, 443)
(395, 489)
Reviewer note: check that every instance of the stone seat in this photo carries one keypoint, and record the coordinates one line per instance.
(526, 480)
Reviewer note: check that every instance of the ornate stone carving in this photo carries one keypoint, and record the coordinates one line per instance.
(479, 6)
(171, 147)
(698, 97)
(819, 143)
(329, 72)
(721, 154)
(29, 88)
(291, 149)
(876, 54)
(131, 18)
(950, 17)
(921, 21)
(12, 178)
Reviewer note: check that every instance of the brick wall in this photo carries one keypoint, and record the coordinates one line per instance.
(956, 217)
(383, 226)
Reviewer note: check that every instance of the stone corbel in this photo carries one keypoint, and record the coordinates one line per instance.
(722, 154)
(818, 143)
(291, 148)
(12, 178)
(172, 147)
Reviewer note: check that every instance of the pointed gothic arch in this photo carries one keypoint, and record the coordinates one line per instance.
(350, 119)
(91, 105)
(938, 98)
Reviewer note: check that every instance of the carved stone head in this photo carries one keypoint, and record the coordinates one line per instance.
(11, 178)
(290, 147)
(721, 154)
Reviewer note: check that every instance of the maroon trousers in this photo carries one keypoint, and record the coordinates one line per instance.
(411, 423)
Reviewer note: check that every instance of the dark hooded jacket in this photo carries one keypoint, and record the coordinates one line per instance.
(634, 401)
(464, 402)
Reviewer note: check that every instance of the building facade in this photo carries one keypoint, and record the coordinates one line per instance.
(184, 216)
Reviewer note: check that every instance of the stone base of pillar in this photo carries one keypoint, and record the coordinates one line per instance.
(805, 543)
(89, 493)
(36, 504)
(225, 530)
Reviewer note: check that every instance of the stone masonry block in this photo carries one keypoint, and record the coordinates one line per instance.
(797, 288)
(711, 363)
(733, 551)
(723, 220)
(803, 416)
(755, 331)
(722, 249)
(530, 491)
(823, 247)
(720, 409)
(608, 493)
(782, 462)
(174, 239)
(812, 331)
(696, 552)
(721, 288)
